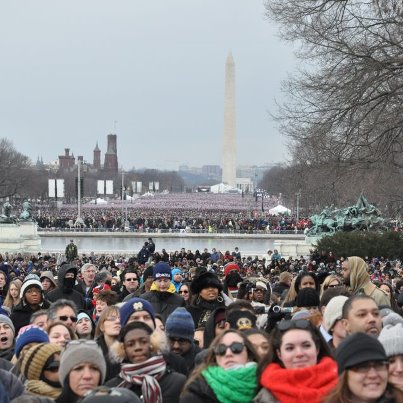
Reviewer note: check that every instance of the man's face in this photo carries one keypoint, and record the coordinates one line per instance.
(364, 317)
(179, 346)
(84, 327)
(178, 278)
(163, 283)
(345, 271)
(258, 294)
(141, 316)
(67, 316)
(33, 296)
(89, 275)
(6, 336)
(131, 282)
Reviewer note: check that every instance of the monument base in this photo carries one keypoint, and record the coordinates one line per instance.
(22, 237)
(295, 248)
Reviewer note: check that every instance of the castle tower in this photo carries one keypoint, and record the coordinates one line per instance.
(97, 157)
(111, 157)
(229, 152)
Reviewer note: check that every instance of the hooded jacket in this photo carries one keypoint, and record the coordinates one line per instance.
(360, 281)
(61, 292)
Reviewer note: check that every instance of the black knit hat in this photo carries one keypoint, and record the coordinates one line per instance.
(307, 297)
(104, 394)
(205, 280)
(241, 320)
(357, 349)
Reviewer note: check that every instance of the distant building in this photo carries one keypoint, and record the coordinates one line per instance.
(66, 161)
(111, 155)
(212, 172)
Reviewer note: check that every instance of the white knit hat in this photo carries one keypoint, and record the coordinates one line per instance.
(333, 311)
(29, 283)
(391, 338)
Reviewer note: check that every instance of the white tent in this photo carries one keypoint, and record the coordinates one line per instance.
(223, 188)
(98, 201)
(279, 210)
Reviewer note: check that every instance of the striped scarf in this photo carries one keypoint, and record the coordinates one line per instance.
(146, 374)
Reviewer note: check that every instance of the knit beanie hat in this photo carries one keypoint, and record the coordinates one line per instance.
(176, 271)
(180, 324)
(392, 319)
(29, 334)
(357, 349)
(391, 338)
(28, 284)
(80, 351)
(148, 272)
(7, 320)
(162, 270)
(307, 297)
(333, 311)
(241, 320)
(35, 359)
(135, 305)
(205, 280)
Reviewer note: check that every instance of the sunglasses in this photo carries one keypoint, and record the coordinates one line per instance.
(293, 324)
(132, 279)
(65, 318)
(183, 292)
(83, 342)
(364, 367)
(236, 348)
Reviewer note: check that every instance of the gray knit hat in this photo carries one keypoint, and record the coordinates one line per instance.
(333, 311)
(391, 338)
(80, 351)
(7, 320)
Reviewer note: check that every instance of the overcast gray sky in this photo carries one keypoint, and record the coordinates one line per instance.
(69, 69)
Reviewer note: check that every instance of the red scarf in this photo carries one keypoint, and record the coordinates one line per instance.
(309, 384)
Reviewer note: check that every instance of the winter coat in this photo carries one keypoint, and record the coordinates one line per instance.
(171, 384)
(112, 368)
(61, 293)
(164, 303)
(22, 313)
(202, 310)
(198, 392)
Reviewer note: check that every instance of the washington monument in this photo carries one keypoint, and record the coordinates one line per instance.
(229, 154)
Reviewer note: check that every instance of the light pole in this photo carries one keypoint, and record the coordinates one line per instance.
(298, 197)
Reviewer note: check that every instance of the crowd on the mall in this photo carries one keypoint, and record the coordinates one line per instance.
(191, 212)
(200, 326)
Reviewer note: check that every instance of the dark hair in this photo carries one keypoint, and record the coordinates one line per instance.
(331, 293)
(240, 304)
(302, 275)
(129, 270)
(348, 304)
(276, 338)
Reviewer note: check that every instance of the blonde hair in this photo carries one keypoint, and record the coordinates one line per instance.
(9, 302)
(327, 281)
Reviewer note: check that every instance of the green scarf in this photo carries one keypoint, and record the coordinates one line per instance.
(236, 385)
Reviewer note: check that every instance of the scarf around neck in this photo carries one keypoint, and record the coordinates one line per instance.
(146, 374)
(171, 289)
(309, 384)
(41, 388)
(237, 385)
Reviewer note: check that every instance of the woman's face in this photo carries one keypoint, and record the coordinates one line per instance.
(307, 282)
(83, 378)
(297, 349)
(260, 343)
(229, 359)
(52, 374)
(14, 292)
(385, 289)
(46, 284)
(111, 325)
(137, 345)
(367, 384)
(2, 280)
(184, 292)
(209, 294)
(333, 283)
(59, 335)
(396, 370)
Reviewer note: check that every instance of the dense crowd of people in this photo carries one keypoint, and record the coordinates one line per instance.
(191, 326)
(175, 212)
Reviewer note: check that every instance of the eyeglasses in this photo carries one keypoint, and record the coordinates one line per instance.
(364, 367)
(293, 324)
(181, 342)
(132, 279)
(65, 318)
(236, 348)
(33, 291)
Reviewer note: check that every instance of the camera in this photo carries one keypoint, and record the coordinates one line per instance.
(282, 309)
(259, 310)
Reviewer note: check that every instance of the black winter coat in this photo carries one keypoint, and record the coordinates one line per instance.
(171, 385)
(61, 293)
(198, 392)
(22, 314)
(164, 303)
